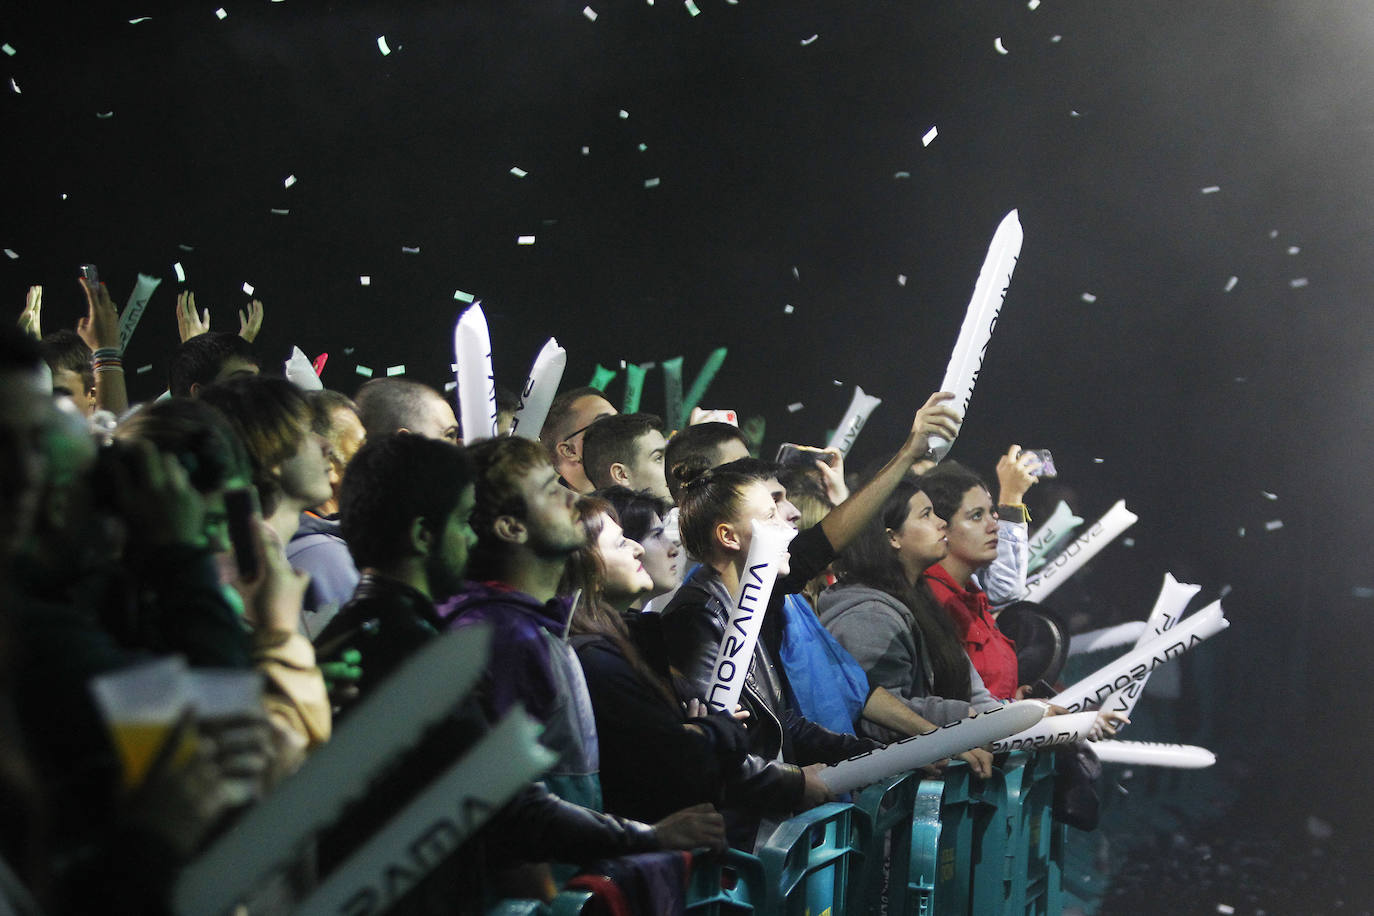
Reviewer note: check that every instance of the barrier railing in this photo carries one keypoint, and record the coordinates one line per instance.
(907, 846)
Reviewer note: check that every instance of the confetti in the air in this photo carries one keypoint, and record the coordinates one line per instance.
(997, 43)
(462, 296)
(139, 19)
(221, 14)
(1274, 525)
(64, 196)
(837, 383)
(786, 309)
(589, 13)
(622, 364)
(1224, 591)
(1056, 39)
(1241, 531)
(1211, 189)
(518, 172)
(1240, 379)
(1231, 283)
(901, 174)
(796, 274)
(248, 289)
(143, 369)
(1362, 591)
(104, 115)
(289, 181)
(180, 272)
(1267, 495)
(691, 7)
(525, 240)
(15, 87)
(643, 147)
(382, 45)
(794, 407)
(11, 254)
(807, 41)
(1293, 249)
(452, 367)
(1273, 233)
(651, 182)
(901, 279)
(1098, 460)
(449, 386)
(8, 49)
(648, 366)
(586, 150)
(1089, 298)
(1073, 113)
(275, 211)
(624, 114)
(186, 248)
(1225, 909)
(930, 135)
(365, 280)
(1128, 542)
(392, 371)
(1298, 282)
(363, 371)
(406, 249)
(1033, 5)
(348, 351)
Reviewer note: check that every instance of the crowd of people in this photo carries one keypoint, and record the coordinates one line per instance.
(321, 541)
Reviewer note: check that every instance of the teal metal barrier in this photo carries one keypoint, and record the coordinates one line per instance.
(567, 903)
(808, 860)
(1030, 834)
(958, 845)
(880, 886)
(728, 884)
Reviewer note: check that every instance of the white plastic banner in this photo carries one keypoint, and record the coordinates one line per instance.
(536, 397)
(860, 407)
(1091, 691)
(476, 381)
(976, 332)
(747, 606)
(923, 750)
(301, 372)
(1083, 549)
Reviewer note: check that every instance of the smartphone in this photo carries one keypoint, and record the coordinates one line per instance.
(90, 274)
(1045, 462)
(793, 455)
(242, 509)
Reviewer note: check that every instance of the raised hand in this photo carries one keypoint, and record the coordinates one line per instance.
(938, 417)
(189, 323)
(99, 328)
(250, 321)
(30, 320)
(1014, 476)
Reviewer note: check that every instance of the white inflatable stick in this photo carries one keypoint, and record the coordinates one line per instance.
(476, 381)
(535, 398)
(747, 606)
(1083, 549)
(860, 406)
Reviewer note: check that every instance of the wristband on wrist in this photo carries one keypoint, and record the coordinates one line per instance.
(1014, 512)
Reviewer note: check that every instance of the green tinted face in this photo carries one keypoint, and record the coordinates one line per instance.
(449, 561)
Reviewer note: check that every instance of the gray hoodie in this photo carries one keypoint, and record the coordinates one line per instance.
(880, 632)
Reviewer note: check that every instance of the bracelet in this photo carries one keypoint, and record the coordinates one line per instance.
(1020, 509)
(107, 364)
(105, 353)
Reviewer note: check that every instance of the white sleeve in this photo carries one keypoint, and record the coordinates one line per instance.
(1004, 579)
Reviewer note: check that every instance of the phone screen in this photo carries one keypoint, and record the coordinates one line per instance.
(241, 507)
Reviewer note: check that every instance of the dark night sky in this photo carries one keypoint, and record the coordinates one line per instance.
(775, 154)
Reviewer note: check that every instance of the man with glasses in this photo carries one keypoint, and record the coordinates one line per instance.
(569, 416)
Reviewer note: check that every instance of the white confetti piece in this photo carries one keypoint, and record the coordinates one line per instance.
(930, 135)
(1225, 909)
(1089, 298)
(449, 386)
(1056, 39)
(1231, 283)
(452, 367)
(1241, 531)
(1128, 542)
(1211, 189)
(1033, 5)
(363, 371)
(142, 370)
(1267, 495)
(622, 364)
(837, 383)
(279, 212)
(793, 408)
(1098, 460)
(1273, 233)
(11, 254)
(248, 289)
(393, 371)
(1361, 591)
(796, 274)
(406, 249)
(901, 174)
(1273, 525)
(104, 115)
(8, 49)
(525, 240)
(589, 13)
(221, 14)
(1298, 282)
(586, 150)
(180, 272)
(139, 19)
(807, 41)
(651, 182)
(15, 87)
(461, 296)
(691, 7)
(365, 280)
(1224, 591)
(786, 309)
(64, 196)
(1240, 379)
(624, 114)
(1073, 113)
(289, 181)
(648, 366)
(997, 43)
(348, 351)
(1293, 249)
(518, 172)
(643, 147)
(901, 279)
(186, 248)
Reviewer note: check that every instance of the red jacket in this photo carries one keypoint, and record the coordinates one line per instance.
(992, 652)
